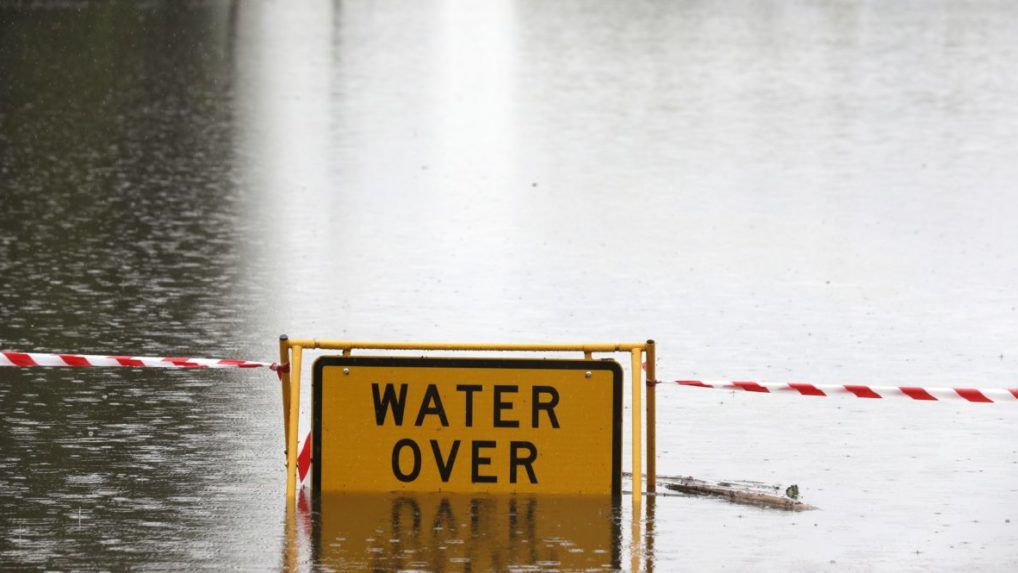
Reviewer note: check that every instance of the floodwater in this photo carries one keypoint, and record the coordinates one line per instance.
(819, 191)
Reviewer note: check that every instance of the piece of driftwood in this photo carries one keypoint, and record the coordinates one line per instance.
(745, 493)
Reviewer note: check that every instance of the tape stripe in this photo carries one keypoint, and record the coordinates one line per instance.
(972, 395)
(72, 360)
(693, 383)
(128, 361)
(20, 359)
(862, 391)
(184, 363)
(916, 393)
(750, 386)
(807, 389)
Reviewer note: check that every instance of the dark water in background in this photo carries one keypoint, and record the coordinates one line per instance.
(120, 196)
(820, 191)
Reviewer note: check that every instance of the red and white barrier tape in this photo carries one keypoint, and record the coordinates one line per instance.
(32, 359)
(862, 391)
(36, 359)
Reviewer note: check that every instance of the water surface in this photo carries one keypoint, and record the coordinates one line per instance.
(777, 191)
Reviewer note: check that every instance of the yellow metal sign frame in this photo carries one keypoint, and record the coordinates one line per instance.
(291, 352)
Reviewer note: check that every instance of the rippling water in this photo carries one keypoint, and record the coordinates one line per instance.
(778, 190)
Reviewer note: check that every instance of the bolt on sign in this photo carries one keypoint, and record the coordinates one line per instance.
(466, 425)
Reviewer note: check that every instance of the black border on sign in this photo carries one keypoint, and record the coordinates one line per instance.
(418, 362)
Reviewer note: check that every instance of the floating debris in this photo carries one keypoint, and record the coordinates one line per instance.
(748, 493)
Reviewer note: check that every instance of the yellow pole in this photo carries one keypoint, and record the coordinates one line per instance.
(284, 382)
(290, 547)
(637, 367)
(634, 544)
(649, 551)
(651, 419)
(294, 415)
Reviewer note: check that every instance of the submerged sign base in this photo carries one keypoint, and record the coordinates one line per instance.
(467, 425)
(466, 532)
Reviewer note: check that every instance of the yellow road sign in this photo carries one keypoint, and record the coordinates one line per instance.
(467, 425)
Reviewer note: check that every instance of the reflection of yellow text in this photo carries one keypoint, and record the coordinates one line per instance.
(457, 532)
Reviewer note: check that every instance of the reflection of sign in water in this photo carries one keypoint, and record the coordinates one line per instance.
(467, 425)
(475, 532)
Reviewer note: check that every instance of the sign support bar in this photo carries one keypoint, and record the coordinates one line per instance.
(637, 372)
(651, 353)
